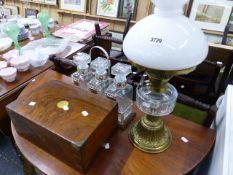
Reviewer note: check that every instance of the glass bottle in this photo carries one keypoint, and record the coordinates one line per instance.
(121, 91)
(101, 81)
(83, 74)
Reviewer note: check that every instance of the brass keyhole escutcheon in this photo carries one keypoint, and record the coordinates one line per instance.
(63, 105)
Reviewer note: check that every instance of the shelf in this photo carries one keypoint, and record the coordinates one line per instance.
(216, 33)
(228, 47)
(94, 16)
(35, 2)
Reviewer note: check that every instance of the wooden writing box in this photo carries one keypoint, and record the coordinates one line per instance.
(67, 133)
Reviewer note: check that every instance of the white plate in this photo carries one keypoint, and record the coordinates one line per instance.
(5, 44)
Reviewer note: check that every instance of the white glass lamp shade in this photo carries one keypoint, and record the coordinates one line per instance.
(166, 40)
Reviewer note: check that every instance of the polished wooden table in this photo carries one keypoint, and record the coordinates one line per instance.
(122, 157)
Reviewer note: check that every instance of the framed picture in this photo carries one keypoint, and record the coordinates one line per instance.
(107, 8)
(14, 9)
(217, 39)
(211, 15)
(115, 46)
(42, 1)
(31, 12)
(127, 7)
(51, 2)
(7, 11)
(73, 5)
(211, 38)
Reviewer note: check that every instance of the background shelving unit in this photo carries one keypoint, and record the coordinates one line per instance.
(94, 16)
(65, 17)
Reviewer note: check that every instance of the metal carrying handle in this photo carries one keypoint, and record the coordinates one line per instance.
(100, 48)
(105, 53)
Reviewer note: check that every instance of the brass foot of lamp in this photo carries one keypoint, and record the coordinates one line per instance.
(150, 135)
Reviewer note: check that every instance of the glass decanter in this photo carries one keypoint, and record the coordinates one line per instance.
(83, 74)
(101, 81)
(122, 92)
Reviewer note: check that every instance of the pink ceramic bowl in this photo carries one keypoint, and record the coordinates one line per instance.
(3, 64)
(8, 74)
(21, 63)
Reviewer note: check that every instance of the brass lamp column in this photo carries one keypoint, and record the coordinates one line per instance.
(150, 134)
(163, 44)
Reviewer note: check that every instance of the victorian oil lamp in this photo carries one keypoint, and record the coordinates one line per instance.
(163, 44)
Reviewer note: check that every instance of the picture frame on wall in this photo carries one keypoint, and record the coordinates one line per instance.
(107, 8)
(211, 15)
(39, 1)
(73, 5)
(217, 39)
(127, 7)
(51, 2)
(31, 12)
(7, 11)
(115, 46)
(13, 9)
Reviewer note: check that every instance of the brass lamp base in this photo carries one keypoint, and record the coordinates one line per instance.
(158, 99)
(150, 135)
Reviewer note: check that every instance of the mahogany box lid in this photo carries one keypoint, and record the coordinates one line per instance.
(68, 122)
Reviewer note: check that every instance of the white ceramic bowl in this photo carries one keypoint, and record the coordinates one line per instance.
(35, 29)
(5, 44)
(8, 74)
(10, 54)
(51, 23)
(12, 20)
(21, 63)
(23, 21)
(3, 64)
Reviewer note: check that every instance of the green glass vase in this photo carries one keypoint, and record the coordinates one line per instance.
(12, 30)
(43, 17)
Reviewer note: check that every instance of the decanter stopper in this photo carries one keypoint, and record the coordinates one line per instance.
(83, 74)
(100, 65)
(82, 60)
(120, 71)
(101, 81)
